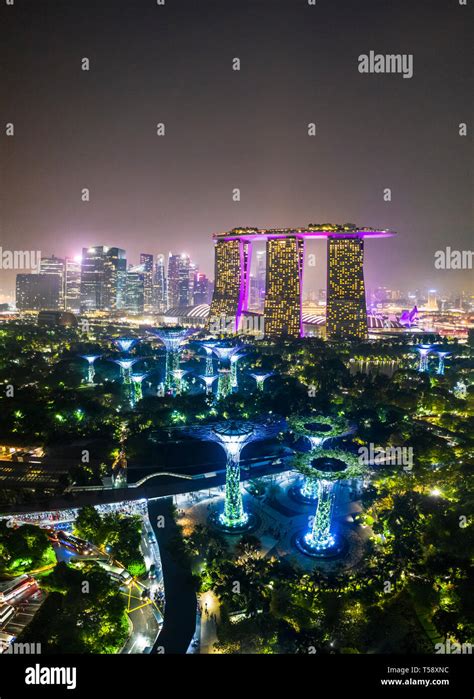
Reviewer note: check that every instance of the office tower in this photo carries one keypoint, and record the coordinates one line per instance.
(135, 289)
(159, 284)
(72, 286)
(231, 285)
(282, 309)
(103, 278)
(37, 292)
(346, 315)
(201, 291)
(148, 299)
(55, 265)
(179, 280)
(432, 304)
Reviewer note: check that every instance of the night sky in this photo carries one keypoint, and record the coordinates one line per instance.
(228, 129)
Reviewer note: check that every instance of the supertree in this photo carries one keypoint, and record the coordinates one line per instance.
(179, 384)
(173, 339)
(208, 347)
(90, 359)
(316, 429)
(233, 436)
(260, 378)
(328, 467)
(234, 358)
(126, 365)
(137, 392)
(125, 344)
(441, 357)
(208, 381)
(224, 355)
(423, 351)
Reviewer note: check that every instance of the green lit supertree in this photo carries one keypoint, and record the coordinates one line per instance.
(233, 435)
(316, 429)
(326, 467)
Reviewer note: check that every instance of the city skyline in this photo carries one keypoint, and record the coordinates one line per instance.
(146, 190)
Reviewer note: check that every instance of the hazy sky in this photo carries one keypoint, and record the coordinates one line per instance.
(229, 129)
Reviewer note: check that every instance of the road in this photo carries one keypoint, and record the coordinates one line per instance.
(180, 609)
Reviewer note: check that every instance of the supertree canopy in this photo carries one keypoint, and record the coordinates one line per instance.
(208, 347)
(90, 359)
(327, 467)
(208, 381)
(233, 436)
(125, 344)
(172, 338)
(316, 429)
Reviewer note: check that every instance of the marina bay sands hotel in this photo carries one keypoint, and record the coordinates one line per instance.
(346, 314)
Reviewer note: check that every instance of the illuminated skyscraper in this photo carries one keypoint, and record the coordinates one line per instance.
(103, 278)
(232, 270)
(135, 289)
(346, 314)
(179, 281)
(55, 265)
(72, 286)
(146, 261)
(282, 308)
(159, 284)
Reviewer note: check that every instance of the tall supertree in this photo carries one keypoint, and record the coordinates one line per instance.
(423, 351)
(137, 392)
(233, 436)
(179, 384)
(208, 381)
(260, 378)
(224, 355)
(126, 364)
(125, 344)
(317, 429)
(90, 359)
(173, 339)
(327, 467)
(234, 358)
(441, 357)
(208, 347)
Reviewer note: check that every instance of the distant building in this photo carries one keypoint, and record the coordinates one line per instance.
(37, 292)
(55, 265)
(72, 286)
(201, 290)
(282, 306)
(179, 280)
(346, 312)
(159, 284)
(135, 289)
(103, 278)
(64, 319)
(146, 260)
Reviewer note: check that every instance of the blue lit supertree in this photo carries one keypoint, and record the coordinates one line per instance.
(208, 347)
(126, 364)
(208, 381)
(260, 378)
(173, 338)
(234, 358)
(327, 467)
(224, 355)
(233, 436)
(441, 357)
(179, 384)
(125, 344)
(423, 351)
(90, 359)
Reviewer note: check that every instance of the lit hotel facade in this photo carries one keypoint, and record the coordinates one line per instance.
(346, 307)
